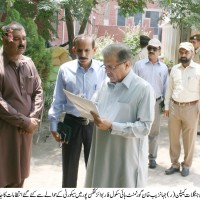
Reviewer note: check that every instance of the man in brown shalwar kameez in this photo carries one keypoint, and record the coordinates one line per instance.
(21, 101)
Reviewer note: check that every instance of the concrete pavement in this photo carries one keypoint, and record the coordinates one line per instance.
(46, 168)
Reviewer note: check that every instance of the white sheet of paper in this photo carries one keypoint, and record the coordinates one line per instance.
(84, 106)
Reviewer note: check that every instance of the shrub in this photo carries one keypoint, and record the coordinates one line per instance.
(132, 38)
(101, 43)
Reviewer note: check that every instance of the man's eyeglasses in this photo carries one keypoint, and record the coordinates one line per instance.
(112, 67)
(149, 48)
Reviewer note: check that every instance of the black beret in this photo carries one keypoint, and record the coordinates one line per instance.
(144, 40)
(195, 37)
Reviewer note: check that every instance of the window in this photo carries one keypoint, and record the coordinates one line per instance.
(106, 15)
(154, 19)
(138, 19)
(121, 20)
(155, 31)
(148, 14)
(55, 25)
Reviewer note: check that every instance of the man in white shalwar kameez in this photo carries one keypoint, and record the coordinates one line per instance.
(119, 151)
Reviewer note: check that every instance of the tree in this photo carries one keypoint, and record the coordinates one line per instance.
(128, 7)
(5, 5)
(42, 11)
(183, 14)
(78, 10)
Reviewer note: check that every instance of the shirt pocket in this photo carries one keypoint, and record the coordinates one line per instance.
(193, 84)
(28, 84)
(123, 111)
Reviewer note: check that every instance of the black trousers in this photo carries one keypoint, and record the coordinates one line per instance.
(81, 134)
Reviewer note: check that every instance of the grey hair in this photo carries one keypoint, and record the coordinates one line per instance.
(12, 26)
(83, 36)
(122, 52)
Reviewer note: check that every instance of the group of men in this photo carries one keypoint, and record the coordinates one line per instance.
(120, 140)
(181, 95)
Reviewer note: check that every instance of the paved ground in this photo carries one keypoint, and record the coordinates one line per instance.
(46, 170)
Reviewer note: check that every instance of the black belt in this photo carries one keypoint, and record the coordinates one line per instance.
(158, 98)
(78, 120)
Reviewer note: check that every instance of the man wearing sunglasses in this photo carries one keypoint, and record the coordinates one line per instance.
(156, 73)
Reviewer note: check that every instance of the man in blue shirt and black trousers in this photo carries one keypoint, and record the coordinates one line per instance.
(82, 77)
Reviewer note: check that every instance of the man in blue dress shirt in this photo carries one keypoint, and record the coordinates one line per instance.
(155, 72)
(82, 77)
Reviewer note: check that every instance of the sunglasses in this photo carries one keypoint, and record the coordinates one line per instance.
(149, 48)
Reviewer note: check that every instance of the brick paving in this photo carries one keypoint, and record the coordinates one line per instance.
(46, 170)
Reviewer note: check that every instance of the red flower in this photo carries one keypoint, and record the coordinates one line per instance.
(10, 35)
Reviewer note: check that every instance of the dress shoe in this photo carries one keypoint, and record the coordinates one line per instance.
(198, 132)
(152, 164)
(185, 172)
(171, 170)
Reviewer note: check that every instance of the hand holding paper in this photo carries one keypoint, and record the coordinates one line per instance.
(84, 106)
(101, 123)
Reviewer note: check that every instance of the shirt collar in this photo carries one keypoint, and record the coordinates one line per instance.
(126, 81)
(91, 67)
(22, 59)
(148, 61)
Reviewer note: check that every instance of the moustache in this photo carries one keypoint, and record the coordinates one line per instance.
(21, 46)
(82, 58)
(151, 53)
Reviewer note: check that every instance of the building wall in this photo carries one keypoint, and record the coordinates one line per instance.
(170, 42)
(61, 28)
(106, 21)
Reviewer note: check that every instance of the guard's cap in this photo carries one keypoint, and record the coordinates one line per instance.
(195, 37)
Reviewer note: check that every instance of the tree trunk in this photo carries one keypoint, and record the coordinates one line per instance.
(85, 21)
(70, 25)
(70, 30)
(86, 17)
(2, 16)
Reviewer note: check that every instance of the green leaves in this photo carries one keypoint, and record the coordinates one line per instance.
(128, 7)
(101, 43)
(132, 38)
(182, 13)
